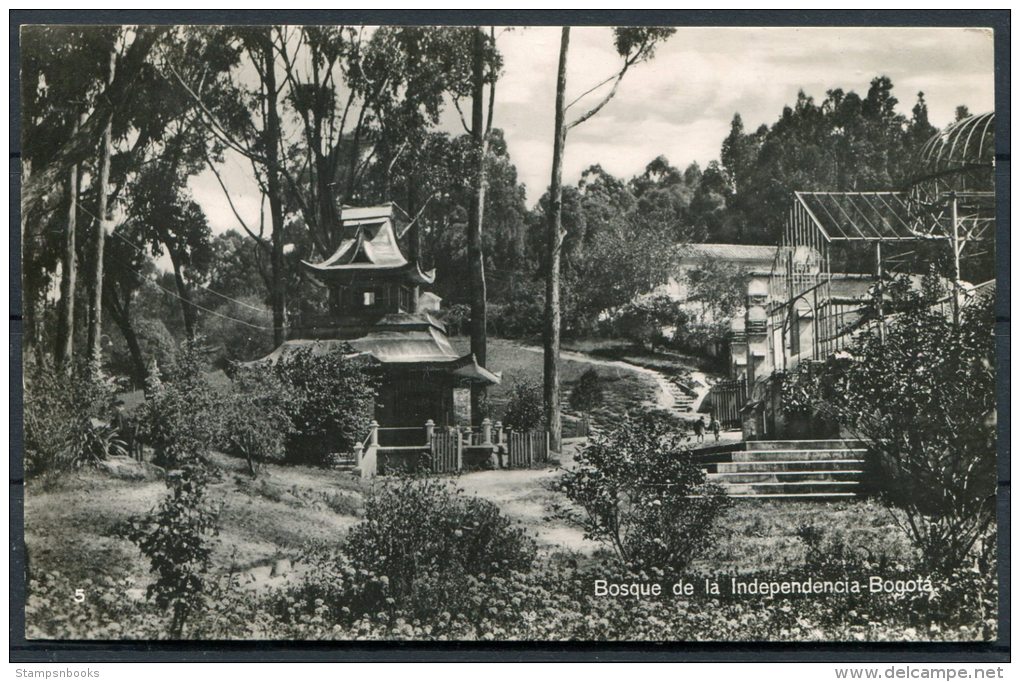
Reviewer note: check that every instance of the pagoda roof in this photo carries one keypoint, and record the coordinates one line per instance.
(369, 247)
(426, 348)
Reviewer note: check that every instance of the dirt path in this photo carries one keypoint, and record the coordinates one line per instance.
(528, 496)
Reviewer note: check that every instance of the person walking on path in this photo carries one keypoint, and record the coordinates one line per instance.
(699, 430)
(716, 428)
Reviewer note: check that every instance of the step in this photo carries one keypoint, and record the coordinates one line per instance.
(812, 497)
(796, 465)
(813, 487)
(829, 444)
(788, 455)
(727, 479)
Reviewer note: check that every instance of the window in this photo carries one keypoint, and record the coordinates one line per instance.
(406, 299)
(368, 298)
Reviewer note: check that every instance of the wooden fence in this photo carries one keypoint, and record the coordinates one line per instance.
(447, 451)
(526, 448)
(445, 457)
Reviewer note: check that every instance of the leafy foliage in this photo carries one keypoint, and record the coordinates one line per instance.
(176, 540)
(66, 420)
(93, 442)
(643, 495)
(256, 416)
(847, 142)
(180, 417)
(587, 393)
(333, 403)
(524, 406)
(425, 539)
(650, 320)
(923, 395)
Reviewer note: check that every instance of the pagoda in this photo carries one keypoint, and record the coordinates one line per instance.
(376, 305)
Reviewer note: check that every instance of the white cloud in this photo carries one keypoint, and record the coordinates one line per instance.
(680, 103)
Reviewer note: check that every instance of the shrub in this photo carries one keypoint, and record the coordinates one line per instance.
(457, 318)
(587, 393)
(332, 405)
(65, 419)
(643, 495)
(923, 395)
(177, 541)
(518, 318)
(93, 442)
(180, 416)
(424, 539)
(524, 407)
(255, 417)
(650, 320)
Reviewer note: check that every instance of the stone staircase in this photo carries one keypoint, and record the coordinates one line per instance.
(684, 396)
(786, 469)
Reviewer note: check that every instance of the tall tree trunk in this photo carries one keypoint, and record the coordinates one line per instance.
(69, 276)
(29, 282)
(187, 306)
(121, 316)
(278, 292)
(551, 386)
(95, 337)
(479, 392)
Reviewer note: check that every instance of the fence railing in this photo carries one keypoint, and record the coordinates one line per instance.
(527, 448)
(444, 450)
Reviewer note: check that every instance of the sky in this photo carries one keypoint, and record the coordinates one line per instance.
(680, 104)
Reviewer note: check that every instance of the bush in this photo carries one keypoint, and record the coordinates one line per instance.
(457, 319)
(923, 396)
(644, 496)
(650, 321)
(424, 539)
(93, 442)
(255, 418)
(587, 393)
(177, 541)
(518, 318)
(332, 404)
(180, 417)
(524, 407)
(66, 420)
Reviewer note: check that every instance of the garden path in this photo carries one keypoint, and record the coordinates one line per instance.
(668, 395)
(528, 495)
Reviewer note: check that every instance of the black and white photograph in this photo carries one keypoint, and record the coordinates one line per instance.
(487, 333)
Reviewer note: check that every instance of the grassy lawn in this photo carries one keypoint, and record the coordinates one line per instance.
(663, 360)
(73, 524)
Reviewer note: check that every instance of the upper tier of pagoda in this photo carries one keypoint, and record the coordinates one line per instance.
(370, 250)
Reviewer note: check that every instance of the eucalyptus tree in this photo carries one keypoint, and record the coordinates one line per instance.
(312, 109)
(62, 77)
(634, 45)
(125, 274)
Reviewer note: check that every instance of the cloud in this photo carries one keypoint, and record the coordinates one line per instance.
(680, 103)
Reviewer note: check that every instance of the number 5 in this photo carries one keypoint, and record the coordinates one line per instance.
(79, 595)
